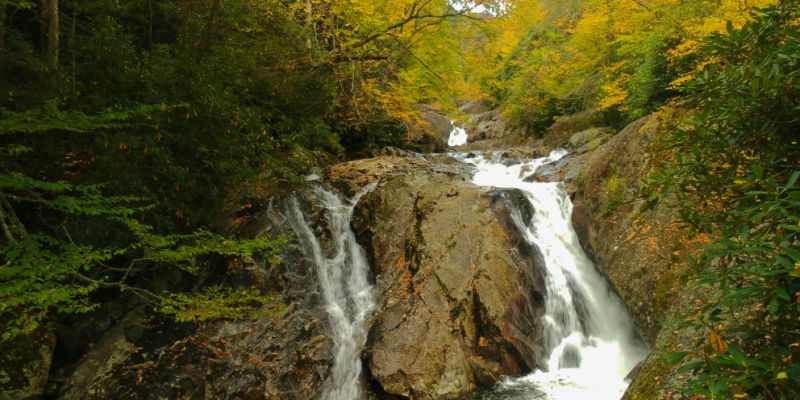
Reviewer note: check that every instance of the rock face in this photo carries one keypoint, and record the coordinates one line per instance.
(487, 126)
(439, 124)
(276, 357)
(25, 363)
(641, 252)
(89, 380)
(459, 309)
(563, 129)
(636, 251)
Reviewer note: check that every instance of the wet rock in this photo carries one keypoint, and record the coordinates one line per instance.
(25, 365)
(545, 173)
(458, 308)
(525, 153)
(580, 222)
(572, 167)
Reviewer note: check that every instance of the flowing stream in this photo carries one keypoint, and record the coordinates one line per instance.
(345, 288)
(589, 337)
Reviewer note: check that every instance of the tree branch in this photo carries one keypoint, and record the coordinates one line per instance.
(6, 231)
(444, 82)
(145, 295)
(641, 4)
(345, 58)
(409, 18)
(12, 216)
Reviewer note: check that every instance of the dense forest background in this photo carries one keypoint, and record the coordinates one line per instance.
(127, 128)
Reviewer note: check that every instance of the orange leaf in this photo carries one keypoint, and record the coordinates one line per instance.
(716, 342)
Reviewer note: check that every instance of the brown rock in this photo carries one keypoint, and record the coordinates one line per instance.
(459, 307)
(560, 132)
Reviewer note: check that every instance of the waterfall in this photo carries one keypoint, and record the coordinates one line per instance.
(345, 288)
(589, 338)
(458, 136)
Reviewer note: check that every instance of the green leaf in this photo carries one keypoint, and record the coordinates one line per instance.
(793, 179)
(758, 171)
(676, 357)
(782, 293)
(774, 305)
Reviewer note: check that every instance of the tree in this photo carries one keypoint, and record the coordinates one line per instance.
(735, 173)
(50, 31)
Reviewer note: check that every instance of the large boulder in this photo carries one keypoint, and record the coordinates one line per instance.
(565, 127)
(438, 123)
(490, 126)
(458, 309)
(25, 365)
(91, 377)
(475, 107)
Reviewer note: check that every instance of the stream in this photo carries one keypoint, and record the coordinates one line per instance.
(345, 287)
(590, 341)
(588, 334)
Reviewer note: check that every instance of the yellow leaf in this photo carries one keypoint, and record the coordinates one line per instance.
(717, 343)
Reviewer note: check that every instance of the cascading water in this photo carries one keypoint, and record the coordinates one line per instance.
(458, 136)
(588, 335)
(345, 286)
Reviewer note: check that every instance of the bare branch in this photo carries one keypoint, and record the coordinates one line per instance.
(6, 231)
(409, 18)
(408, 50)
(641, 4)
(345, 58)
(145, 295)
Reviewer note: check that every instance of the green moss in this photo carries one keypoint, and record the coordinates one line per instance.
(613, 194)
(650, 380)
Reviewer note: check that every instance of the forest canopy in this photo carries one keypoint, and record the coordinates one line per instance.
(128, 127)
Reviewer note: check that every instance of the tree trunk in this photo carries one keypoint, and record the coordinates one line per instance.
(50, 30)
(309, 21)
(2, 26)
(208, 37)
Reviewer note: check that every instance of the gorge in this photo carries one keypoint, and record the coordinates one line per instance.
(433, 276)
(405, 199)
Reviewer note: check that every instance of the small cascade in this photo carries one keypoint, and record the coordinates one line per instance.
(345, 288)
(590, 340)
(458, 136)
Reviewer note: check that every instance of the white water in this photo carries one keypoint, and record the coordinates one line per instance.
(345, 287)
(588, 334)
(458, 136)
